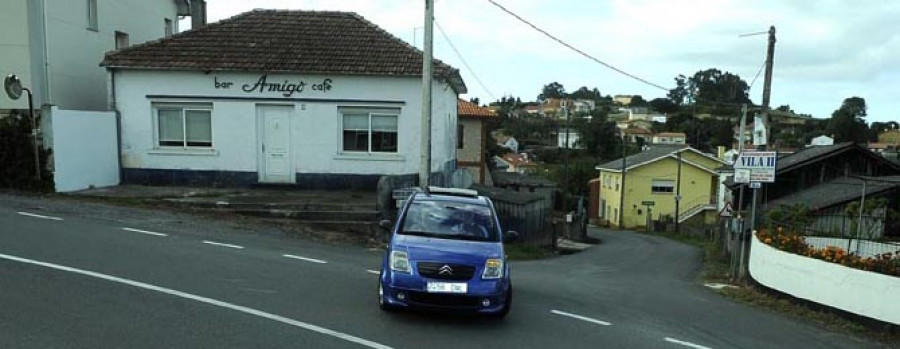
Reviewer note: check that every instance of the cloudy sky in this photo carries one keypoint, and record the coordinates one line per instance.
(827, 50)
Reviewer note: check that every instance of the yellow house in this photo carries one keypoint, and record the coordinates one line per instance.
(652, 185)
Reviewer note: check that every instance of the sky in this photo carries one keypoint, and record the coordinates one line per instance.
(826, 50)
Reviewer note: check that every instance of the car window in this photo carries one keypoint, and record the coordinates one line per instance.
(450, 220)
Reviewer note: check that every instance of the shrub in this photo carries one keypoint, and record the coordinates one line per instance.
(17, 156)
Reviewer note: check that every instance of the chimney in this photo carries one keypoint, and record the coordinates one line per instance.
(198, 14)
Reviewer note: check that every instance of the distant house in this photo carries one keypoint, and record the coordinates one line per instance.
(890, 137)
(573, 138)
(584, 105)
(622, 99)
(516, 163)
(669, 138)
(632, 135)
(532, 109)
(652, 182)
(644, 124)
(822, 140)
(507, 142)
(471, 138)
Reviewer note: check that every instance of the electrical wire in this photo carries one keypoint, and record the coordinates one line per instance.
(573, 48)
(466, 64)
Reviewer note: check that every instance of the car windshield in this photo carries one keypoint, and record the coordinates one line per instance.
(450, 220)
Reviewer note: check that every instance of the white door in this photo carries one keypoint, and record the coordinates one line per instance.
(274, 125)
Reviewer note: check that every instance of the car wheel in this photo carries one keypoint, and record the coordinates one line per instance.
(381, 302)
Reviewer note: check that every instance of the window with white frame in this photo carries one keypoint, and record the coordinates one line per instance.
(662, 186)
(92, 15)
(369, 130)
(183, 126)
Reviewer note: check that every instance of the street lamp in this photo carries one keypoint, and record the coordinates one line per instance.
(14, 88)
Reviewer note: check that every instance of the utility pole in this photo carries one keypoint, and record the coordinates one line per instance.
(678, 197)
(767, 84)
(566, 159)
(622, 192)
(427, 76)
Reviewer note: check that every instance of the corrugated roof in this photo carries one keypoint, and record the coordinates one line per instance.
(310, 42)
(837, 191)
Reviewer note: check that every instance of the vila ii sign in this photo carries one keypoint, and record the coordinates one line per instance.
(755, 166)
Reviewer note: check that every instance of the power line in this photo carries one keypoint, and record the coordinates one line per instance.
(757, 75)
(573, 48)
(438, 25)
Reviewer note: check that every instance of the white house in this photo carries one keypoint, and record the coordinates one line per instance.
(310, 99)
(573, 137)
(55, 46)
(822, 140)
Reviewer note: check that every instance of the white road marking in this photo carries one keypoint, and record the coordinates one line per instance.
(582, 318)
(223, 245)
(144, 232)
(305, 259)
(687, 344)
(39, 216)
(201, 299)
(370, 271)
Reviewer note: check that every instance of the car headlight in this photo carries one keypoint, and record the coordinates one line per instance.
(400, 262)
(493, 269)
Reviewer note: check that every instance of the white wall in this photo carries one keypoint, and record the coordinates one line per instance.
(14, 48)
(84, 149)
(856, 291)
(315, 135)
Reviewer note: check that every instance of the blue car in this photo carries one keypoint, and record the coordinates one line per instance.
(446, 253)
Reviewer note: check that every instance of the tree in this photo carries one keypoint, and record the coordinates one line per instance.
(710, 86)
(584, 93)
(552, 90)
(599, 135)
(848, 123)
(637, 101)
(663, 105)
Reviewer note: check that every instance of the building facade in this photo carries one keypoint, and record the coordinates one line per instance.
(652, 184)
(55, 46)
(324, 115)
(472, 139)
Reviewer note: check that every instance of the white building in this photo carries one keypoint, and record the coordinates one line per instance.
(312, 99)
(822, 140)
(55, 46)
(573, 137)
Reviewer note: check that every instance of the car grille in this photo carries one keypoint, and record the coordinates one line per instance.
(443, 299)
(459, 272)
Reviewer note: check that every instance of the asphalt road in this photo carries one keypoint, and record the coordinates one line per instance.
(92, 276)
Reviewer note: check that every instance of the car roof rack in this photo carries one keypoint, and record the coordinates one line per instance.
(453, 191)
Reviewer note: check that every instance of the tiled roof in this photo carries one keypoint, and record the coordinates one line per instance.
(637, 131)
(671, 134)
(469, 109)
(309, 42)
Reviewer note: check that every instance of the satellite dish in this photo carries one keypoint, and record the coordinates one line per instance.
(13, 86)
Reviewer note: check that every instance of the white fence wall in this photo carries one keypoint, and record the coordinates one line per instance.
(85, 149)
(856, 291)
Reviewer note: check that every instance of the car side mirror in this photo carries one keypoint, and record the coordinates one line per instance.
(385, 224)
(510, 236)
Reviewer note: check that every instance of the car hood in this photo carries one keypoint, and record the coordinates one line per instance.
(422, 248)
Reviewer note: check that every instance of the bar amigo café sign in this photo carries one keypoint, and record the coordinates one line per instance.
(287, 88)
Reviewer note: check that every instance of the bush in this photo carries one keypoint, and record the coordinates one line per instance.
(887, 263)
(17, 156)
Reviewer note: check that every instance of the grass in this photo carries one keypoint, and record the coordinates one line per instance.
(716, 267)
(520, 252)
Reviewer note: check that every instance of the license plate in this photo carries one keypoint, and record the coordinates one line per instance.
(447, 287)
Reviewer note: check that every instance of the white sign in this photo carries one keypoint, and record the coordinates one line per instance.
(760, 163)
(741, 175)
(759, 131)
(727, 211)
(755, 185)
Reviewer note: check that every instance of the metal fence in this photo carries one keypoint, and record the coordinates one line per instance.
(865, 237)
(529, 214)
